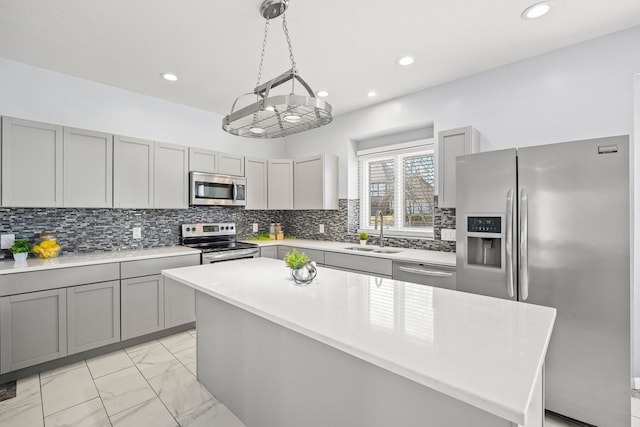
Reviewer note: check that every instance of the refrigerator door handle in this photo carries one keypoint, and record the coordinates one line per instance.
(509, 244)
(524, 246)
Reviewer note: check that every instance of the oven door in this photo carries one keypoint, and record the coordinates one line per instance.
(219, 256)
(217, 190)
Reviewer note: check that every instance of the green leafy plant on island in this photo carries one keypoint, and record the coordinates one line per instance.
(295, 259)
(21, 246)
(363, 236)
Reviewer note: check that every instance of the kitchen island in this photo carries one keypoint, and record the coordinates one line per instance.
(357, 350)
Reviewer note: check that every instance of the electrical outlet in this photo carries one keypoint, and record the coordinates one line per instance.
(321, 228)
(137, 232)
(255, 227)
(6, 240)
(448, 234)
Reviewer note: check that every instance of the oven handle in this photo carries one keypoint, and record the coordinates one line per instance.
(225, 255)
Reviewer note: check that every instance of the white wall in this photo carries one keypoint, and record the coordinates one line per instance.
(37, 94)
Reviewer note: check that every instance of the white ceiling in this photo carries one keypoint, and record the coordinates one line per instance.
(347, 47)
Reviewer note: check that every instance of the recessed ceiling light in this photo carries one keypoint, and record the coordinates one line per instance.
(322, 93)
(371, 93)
(405, 60)
(169, 76)
(257, 130)
(536, 10)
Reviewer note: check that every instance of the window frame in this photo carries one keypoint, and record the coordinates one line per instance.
(398, 152)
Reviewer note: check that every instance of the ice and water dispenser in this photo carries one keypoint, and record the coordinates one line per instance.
(484, 241)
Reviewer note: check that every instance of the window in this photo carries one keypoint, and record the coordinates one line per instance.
(399, 182)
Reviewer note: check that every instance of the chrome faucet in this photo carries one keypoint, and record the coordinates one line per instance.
(379, 214)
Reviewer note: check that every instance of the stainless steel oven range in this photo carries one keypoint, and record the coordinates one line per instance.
(217, 242)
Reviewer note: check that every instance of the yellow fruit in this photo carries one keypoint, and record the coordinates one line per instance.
(37, 248)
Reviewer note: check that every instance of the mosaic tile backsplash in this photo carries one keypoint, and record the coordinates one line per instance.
(90, 230)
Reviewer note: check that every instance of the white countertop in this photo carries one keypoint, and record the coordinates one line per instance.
(484, 351)
(413, 255)
(78, 260)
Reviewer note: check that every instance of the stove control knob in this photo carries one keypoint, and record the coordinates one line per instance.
(232, 227)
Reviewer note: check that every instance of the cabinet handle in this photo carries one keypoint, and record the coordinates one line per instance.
(433, 273)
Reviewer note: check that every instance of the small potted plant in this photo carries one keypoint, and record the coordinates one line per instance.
(363, 238)
(20, 249)
(302, 271)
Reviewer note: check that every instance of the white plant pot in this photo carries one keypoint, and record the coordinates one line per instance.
(22, 256)
(363, 242)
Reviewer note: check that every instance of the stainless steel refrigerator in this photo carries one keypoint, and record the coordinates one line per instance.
(549, 225)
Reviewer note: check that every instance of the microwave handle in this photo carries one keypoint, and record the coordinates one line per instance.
(235, 191)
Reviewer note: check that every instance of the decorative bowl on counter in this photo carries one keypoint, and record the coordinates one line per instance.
(47, 246)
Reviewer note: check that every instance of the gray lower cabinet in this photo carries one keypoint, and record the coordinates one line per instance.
(179, 303)
(93, 315)
(33, 329)
(142, 305)
(359, 263)
(269, 252)
(313, 254)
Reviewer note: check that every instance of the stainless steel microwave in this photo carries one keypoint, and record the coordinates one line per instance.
(217, 190)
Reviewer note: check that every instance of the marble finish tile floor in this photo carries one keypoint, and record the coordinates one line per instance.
(149, 385)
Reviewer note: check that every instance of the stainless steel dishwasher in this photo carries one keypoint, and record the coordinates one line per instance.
(439, 276)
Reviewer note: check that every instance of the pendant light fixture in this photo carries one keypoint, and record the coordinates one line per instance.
(277, 116)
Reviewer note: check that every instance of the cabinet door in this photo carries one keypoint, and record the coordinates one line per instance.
(201, 160)
(280, 184)
(88, 169)
(315, 182)
(256, 174)
(171, 176)
(269, 252)
(451, 144)
(133, 173)
(142, 306)
(179, 303)
(31, 163)
(93, 315)
(33, 329)
(230, 164)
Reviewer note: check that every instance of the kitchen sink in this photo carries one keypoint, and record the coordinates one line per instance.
(386, 251)
(360, 249)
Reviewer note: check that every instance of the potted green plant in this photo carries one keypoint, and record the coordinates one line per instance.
(302, 271)
(363, 238)
(20, 249)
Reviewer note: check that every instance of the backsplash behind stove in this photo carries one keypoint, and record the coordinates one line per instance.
(89, 230)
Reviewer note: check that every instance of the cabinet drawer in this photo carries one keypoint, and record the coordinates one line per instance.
(19, 283)
(148, 267)
(362, 263)
(313, 254)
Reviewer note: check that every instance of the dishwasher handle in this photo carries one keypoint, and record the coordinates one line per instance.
(423, 272)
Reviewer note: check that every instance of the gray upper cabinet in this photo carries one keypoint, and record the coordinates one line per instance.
(133, 173)
(88, 169)
(201, 160)
(93, 316)
(280, 184)
(171, 188)
(315, 182)
(257, 178)
(31, 163)
(451, 144)
(230, 164)
(33, 329)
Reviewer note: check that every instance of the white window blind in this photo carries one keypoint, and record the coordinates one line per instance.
(400, 183)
